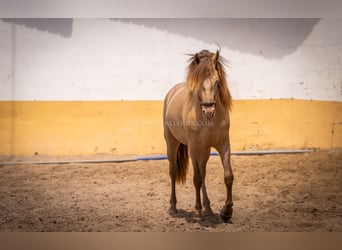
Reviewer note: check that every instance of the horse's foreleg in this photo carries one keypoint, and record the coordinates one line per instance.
(198, 184)
(199, 158)
(227, 210)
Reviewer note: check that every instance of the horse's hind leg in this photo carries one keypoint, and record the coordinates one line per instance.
(172, 147)
(173, 199)
(206, 201)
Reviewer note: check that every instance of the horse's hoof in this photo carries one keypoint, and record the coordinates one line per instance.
(172, 210)
(225, 218)
(198, 214)
(208, 212)
(226, 215)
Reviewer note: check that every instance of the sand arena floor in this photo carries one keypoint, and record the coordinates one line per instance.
(297, 192)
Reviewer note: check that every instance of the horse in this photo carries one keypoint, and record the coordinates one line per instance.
(196, 118)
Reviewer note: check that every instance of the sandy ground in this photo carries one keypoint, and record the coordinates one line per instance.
(301, 192)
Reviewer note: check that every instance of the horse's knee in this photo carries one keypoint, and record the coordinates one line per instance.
(228, 178)
(198, 182)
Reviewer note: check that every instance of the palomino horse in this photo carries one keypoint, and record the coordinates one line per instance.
(196, 118)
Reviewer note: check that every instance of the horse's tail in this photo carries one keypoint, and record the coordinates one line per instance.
(182, 163)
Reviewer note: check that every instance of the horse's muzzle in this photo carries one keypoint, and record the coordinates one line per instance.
(208, 110)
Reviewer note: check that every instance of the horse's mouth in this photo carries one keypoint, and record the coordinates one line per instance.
(208, 112)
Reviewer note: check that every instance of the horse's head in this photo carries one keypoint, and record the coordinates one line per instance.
(204, 80)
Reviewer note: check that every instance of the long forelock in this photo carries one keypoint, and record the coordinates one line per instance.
(197, 74)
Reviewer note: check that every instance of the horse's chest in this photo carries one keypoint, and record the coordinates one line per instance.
(209, 131)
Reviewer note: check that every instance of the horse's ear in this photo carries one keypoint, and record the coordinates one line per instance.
(196, 58)
(216, 57)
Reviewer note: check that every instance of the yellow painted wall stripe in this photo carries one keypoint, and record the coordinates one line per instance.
(135, 127)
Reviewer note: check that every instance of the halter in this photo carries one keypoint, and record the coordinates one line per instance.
(208, 104)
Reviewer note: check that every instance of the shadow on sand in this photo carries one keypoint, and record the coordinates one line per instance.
(212, 220)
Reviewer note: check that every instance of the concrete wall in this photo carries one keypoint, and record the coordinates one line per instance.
(60, 77)
(96, 59)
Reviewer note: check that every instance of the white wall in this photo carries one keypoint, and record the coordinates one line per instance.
(140, 59)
